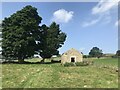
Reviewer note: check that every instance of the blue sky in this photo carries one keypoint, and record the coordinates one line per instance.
(87, 24)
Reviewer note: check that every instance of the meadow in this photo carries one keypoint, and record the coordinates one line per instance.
(102, 74)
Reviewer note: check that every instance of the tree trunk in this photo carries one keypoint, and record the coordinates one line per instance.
(42, 61)
(21, 60)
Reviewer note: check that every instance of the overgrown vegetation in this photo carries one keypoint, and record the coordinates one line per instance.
(69, 64)
(81, 63)
(84, 63)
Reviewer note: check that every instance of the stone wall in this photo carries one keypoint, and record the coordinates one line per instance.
(66, 57)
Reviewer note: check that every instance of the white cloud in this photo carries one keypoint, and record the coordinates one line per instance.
(102, 11)
(117, 23)
(90, 23)
(104, 18)
(62, 16)
(104, 6)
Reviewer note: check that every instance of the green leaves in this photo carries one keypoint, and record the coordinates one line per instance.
(19, 32)
(95, 52)
(51, 40)
(118, 53)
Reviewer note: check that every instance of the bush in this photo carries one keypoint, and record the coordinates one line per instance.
(69, 64)
(84, 63)
(114, 56)
(85, 56)
(81, 63)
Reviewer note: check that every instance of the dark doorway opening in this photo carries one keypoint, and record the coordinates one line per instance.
(72, 59)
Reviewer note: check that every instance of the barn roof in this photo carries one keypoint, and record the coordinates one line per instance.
(71, 50)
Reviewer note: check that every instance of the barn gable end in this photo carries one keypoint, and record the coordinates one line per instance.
(71, 55)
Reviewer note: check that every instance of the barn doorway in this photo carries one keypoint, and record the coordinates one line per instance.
(72, 59)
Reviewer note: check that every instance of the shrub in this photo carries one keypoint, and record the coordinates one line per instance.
(69, 64)
(85, 56)
(81, 64)
(114, 56)
(84, 63)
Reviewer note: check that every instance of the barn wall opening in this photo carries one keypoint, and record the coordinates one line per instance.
(72, 59)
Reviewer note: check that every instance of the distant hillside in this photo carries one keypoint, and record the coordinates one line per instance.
(108, 54)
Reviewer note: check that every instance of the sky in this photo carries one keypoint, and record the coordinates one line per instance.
(87, 24)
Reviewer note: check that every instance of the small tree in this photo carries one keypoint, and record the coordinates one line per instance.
(20, 33)
(51, 39)
(95, 52)
(85, 56)
(118, 53)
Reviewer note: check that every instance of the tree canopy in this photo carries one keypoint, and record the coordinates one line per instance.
(19, 33)
(118, 53)
(22, 36)
(95, 52)
(51, 39)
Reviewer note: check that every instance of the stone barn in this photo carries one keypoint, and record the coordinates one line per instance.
(71, 55)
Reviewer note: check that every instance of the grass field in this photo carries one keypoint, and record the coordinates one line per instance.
(100, 75)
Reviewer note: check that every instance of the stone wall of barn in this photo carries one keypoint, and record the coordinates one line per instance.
(66, 57)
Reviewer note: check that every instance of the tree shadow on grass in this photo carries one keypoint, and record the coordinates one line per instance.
(26, 62)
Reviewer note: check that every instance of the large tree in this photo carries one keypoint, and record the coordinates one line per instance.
(95, 52)
(51, 40)
(20, 33)
(118, 53)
